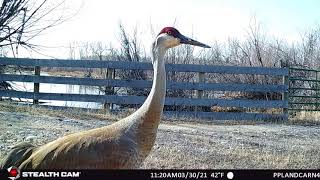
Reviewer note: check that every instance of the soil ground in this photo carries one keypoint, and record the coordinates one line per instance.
(179, 143)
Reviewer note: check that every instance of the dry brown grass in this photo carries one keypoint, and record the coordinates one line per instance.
(71, 73)
(313, 116)
(302, 118)
(74, 113)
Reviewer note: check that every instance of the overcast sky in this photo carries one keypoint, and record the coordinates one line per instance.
(206, 20)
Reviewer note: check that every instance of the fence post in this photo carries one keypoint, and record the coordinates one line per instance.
(201, 79)
(109, 89)
(285, 94)
(36, 86)
(317, 91)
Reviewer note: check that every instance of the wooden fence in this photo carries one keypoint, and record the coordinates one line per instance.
(117, 99)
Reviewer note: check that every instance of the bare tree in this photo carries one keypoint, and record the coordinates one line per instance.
(23, 20)
(257, 49)
(131, 50)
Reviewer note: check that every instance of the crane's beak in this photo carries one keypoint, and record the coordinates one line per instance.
(186, 40)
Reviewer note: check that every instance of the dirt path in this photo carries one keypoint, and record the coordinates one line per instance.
(188, 145)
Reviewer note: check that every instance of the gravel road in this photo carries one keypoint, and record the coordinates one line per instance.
(187, 145)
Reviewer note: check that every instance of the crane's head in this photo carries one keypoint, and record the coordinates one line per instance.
(170, 37)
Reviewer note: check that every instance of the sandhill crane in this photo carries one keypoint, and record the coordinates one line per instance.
(122, 145)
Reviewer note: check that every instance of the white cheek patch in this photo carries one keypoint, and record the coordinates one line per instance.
(168, 41)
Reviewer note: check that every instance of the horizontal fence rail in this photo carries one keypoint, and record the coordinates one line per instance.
(140, 99)
(169, 101)
(144, 83)
(229, 115)
(144, 66)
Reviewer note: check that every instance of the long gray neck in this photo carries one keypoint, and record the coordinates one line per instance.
(155, 100)
(153, 106)
(149, 114)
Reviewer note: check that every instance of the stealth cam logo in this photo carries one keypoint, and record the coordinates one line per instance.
(13, 173)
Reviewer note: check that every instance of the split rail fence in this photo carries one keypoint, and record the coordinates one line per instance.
(199, 86)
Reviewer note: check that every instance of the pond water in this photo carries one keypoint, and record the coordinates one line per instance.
(60, 88)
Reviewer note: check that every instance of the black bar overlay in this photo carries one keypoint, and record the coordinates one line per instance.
(163, 174)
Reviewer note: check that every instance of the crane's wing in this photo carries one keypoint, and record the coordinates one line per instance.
(17, 155)
(93, 149)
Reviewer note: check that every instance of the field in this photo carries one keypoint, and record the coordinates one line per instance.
(180, 143)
